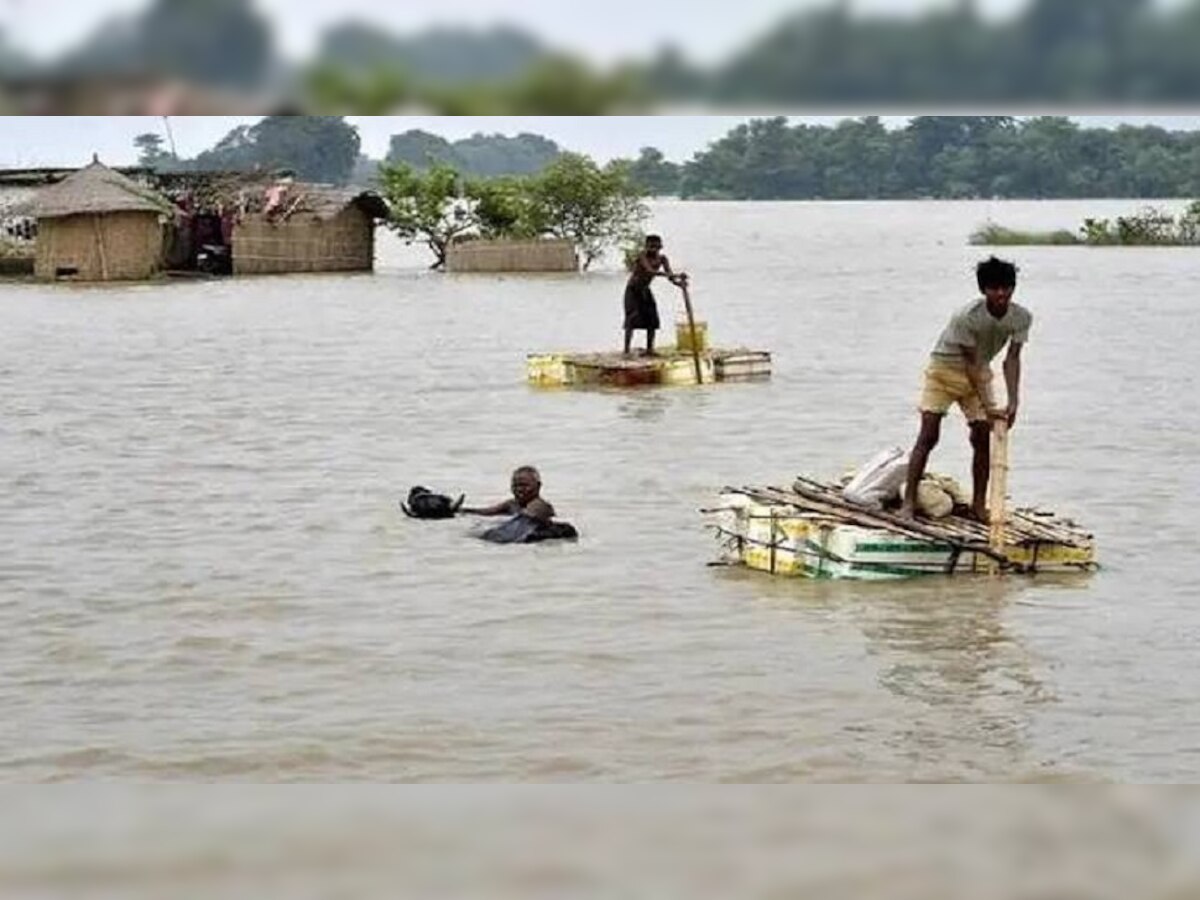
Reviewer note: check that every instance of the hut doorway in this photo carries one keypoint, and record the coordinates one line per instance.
(213, 248)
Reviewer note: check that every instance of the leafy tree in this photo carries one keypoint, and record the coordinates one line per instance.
(150, 150)
(426, 206)
(480, 154)
(316, 148)
(592, 206)
(1148, 227)
(1189, 224)
(497, 154)
(502, 207)
(420, 149)
(653, 173)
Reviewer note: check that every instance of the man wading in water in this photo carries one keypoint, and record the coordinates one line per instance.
(641, 312)
(959, 372)
(526, 498)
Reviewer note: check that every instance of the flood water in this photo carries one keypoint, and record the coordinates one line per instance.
(205, 574)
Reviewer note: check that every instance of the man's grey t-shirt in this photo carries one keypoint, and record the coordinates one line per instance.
(973, 326)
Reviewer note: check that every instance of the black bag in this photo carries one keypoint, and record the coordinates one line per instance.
(424, 504)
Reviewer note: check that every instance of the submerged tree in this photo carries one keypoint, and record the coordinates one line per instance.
(502, 207)
(592, 206)
(574, 199)
(426, 206)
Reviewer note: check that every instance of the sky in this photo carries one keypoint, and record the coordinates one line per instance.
(604, 32)
(27, 141)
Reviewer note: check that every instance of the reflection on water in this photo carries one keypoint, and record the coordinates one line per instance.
(647, 404)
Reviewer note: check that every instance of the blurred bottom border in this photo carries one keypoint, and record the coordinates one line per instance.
(1056, 840)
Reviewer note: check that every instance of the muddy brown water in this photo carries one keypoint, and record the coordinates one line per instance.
(205, 574)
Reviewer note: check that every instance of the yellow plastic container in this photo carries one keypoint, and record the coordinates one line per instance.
(682, 370)
(548, 370)
(683, 336)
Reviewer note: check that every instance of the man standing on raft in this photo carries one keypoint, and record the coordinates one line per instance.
(641, 312)
(959, 372)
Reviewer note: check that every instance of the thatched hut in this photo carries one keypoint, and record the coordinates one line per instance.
(309, 228)
(98, 225)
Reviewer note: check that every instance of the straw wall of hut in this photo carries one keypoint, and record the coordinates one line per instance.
(304, 243)
(312, 228)
(547, 255)
(119, 246)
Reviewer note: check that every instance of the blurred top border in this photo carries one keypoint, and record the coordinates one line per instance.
(178, 57)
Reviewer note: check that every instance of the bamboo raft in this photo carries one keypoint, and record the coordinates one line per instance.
(810, 530)
(669, 367)
(690, 361)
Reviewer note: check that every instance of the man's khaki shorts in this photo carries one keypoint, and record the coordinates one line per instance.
(946, 385)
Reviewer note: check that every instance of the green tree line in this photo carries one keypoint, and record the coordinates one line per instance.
(316, 148)
(484, 155)
(767, 159)
(328, 149)
(938, 156)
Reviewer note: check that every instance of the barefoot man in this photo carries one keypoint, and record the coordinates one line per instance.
(641, 312)
(959, 372)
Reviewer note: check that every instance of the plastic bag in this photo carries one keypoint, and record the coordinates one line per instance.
(879, 480)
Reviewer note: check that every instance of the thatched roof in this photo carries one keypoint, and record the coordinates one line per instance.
(95, 189)
(324, 201)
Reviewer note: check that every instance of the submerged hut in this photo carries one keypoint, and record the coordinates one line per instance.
(538, 255)
(98, 225)
(309, 228)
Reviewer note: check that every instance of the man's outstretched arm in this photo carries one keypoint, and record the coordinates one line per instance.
(498, 509)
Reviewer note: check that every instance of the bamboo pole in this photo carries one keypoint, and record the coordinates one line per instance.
(100, 247)
(687, 302)
(998, 488)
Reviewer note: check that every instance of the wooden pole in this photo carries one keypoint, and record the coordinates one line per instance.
(687, 303)
(998, 488)
(100, 247)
